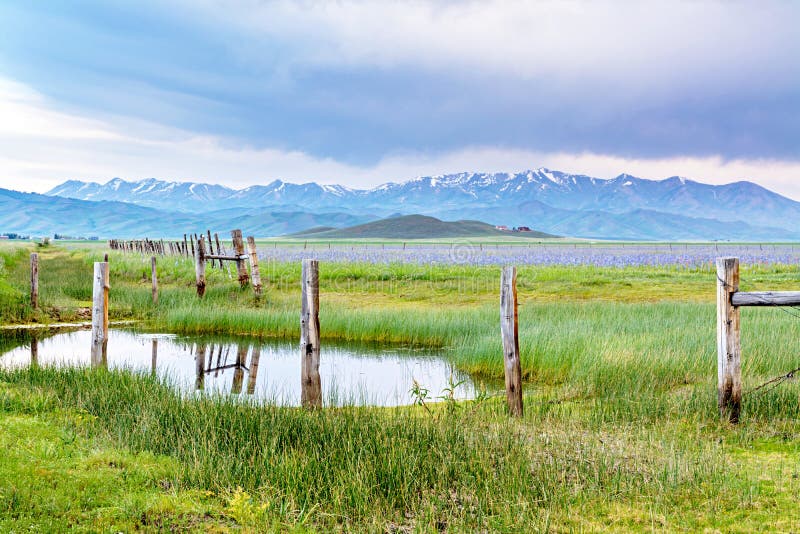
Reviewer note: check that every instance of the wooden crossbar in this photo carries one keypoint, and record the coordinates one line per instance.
(225, 258)
(766, 298)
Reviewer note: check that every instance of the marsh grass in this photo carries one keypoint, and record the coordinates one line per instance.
(613, 330)
(620, 429)
(368, 468)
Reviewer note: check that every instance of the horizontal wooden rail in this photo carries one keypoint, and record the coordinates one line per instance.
(766, 298)
(225, 258)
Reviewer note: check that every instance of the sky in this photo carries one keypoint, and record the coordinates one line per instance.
(360, 93)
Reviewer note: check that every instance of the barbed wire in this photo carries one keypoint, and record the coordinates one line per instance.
(775, 382)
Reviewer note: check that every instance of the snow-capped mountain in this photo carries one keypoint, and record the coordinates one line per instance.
(151, 192)
(499, 198)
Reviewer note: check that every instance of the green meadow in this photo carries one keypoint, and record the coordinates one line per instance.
(620, 431)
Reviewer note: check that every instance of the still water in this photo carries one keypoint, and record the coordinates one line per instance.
(266, 371)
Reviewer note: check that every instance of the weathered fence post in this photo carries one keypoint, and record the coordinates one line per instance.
(219, 248)
(154, 278)
(510, 332)
(255, 275)
(211, 249)
(100, 314)
(200, 268)
(34, 280)
(729, 368)
(238, 248)
(311, 387)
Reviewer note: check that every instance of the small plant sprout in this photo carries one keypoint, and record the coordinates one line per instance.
(420, 394)
(448, 393)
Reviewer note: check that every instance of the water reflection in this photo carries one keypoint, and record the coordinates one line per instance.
(338, 375)
(34, 352)
(253, 374)
(310, 380)
(200, 360)
(154, 356)
(205, 364)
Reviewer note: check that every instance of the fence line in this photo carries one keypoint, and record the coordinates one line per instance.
(729, 299)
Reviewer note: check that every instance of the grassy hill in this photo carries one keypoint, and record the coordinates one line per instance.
(416, 227)
(313, 231)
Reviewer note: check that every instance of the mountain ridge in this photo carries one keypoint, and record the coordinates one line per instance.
(41, 215)
(498, 199)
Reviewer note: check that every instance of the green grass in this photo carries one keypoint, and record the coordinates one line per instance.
(364, 468)
(620, 429)
(57, 475)
(648, 460)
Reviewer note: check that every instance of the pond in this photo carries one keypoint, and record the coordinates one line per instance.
(266, 371)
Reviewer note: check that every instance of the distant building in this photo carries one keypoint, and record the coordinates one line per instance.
(524, 229)
(501, 227)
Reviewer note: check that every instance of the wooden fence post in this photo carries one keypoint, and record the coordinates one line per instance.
(211, 249)
(238, 248)
(255, 274)
(34, 280)
(154, 278)
(311, 387)
(100, 314)
(510, 332)
(729, 368)
(200, 268)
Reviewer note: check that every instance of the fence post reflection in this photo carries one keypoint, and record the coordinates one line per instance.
(238, 370)
(34, 352)
(154, 357)
(200, 360)
(252, 376)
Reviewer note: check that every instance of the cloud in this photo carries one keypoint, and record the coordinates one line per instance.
(25, 114)
(635, 46)
(360, 81)
(40, 147)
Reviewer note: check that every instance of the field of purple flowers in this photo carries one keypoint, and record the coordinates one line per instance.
(689, 256)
